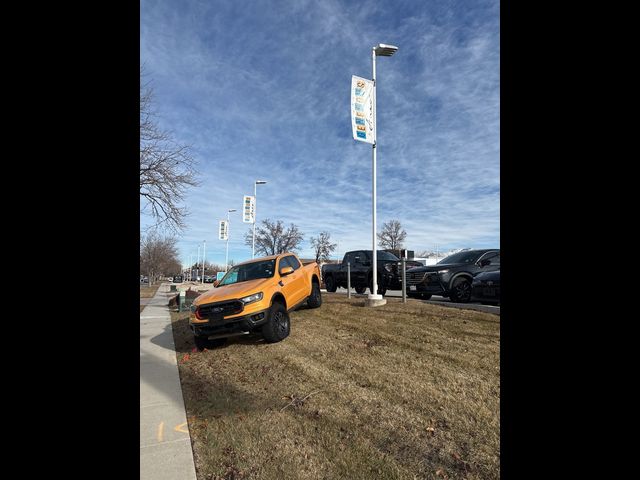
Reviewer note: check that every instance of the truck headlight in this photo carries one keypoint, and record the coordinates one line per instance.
(256, 297)
(388, 267)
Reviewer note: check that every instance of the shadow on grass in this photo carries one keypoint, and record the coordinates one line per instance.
(180, 333)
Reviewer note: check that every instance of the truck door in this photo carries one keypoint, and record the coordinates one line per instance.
(348, 258)
(295, 287)
(359, 273)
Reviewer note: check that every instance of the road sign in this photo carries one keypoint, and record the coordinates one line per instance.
(249, 209)
(362, 121)
(223, 230)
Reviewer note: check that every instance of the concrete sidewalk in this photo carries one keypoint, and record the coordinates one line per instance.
(165, 443)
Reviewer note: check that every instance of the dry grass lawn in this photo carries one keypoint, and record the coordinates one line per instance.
(148, 291)
(396, 392)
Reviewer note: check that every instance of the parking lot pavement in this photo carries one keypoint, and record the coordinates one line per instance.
(436, 300)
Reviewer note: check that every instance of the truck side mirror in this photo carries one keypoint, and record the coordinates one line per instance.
(284, 271)
(216, 283)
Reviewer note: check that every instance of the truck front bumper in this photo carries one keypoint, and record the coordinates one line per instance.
(231, 326)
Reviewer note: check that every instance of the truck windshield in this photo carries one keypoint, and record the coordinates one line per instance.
(249, 271)
(382, 255)
(461, 257)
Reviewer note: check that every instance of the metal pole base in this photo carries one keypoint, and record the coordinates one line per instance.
(375, 301)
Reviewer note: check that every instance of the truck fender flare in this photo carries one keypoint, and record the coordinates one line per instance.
(315, 278)
(278, 297)
(370, 275)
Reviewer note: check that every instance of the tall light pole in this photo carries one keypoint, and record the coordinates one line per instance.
(204, 250)
(197, 263)
(190, 266)
(226, 258)
(381, 50)
(255, 214)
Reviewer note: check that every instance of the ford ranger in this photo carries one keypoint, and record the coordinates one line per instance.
(256, 295)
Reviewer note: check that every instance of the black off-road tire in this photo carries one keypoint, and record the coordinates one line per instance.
(204, 342)
(330, 283)
(278, 326)
(381, 290)
(460, 290)
(315, 299)
(425, 296)
(361, 290)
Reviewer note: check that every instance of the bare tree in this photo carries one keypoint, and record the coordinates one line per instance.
(272, 238)
(158, 256)
(323, 246)
(392, 235)
(166, 168)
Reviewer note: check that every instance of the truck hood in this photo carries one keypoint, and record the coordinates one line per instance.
(439, 266)
(233, 291)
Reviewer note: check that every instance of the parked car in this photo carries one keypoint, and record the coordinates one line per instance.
(144, 279)
(178, 279)
(452, 276)
(256, 295)
(388, 271)
(209, 279)
(485, 287)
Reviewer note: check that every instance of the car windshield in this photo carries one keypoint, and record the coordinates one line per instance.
(249, 271)
(382, 255)
(462, 257)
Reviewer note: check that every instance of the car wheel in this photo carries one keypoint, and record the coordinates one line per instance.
(460, 291)
(361, 290)
(204, 342)
(381, 290)
(277, 327)
(330, 283)
(315, 299)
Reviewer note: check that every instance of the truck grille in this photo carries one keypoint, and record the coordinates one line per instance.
(220, 309)
(415, 278)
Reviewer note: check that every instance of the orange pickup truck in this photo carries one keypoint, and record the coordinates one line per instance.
(256, 295)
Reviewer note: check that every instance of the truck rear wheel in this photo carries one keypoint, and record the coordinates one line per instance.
(278, 326)
(361, 290)
(315, 299)
(330, 283)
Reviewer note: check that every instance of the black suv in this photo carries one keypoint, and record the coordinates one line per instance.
(452, 276)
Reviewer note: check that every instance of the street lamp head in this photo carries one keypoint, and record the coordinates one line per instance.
(260, 182)
(383, 50)
(232, 210)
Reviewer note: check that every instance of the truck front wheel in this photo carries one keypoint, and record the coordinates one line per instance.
(278, 326)
(361, 290)
(381, 289)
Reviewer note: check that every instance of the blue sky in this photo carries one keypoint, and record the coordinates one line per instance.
(261, 90)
